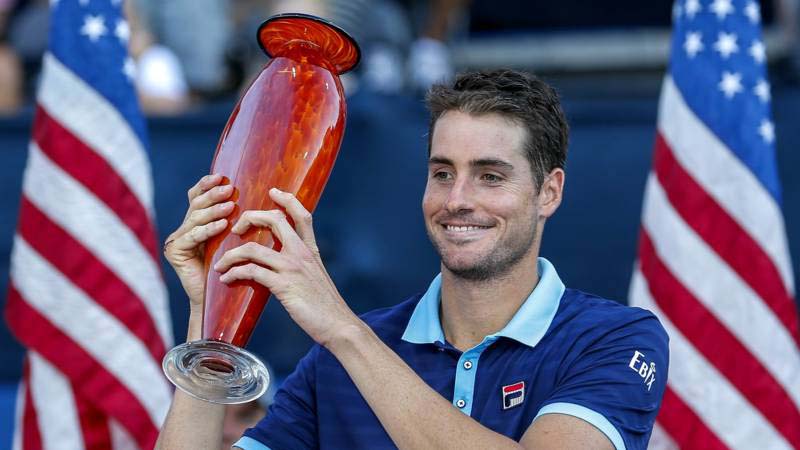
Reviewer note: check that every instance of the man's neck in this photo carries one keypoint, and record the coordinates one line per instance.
(472, 310)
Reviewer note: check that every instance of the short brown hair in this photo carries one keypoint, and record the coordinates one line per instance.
(516, 95)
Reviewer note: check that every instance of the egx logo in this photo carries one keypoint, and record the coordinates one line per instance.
(513, 395)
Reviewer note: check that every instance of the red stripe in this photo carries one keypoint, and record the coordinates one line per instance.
(88, 273)
(513, 387)
(684, 426)
(90, 378)
(721, 348)
(94, 425)
(722, 233)
(91, 170)
(31, 438)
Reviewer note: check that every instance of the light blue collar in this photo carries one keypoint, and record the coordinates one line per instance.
(527, 326)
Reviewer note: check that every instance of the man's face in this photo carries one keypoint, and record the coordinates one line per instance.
(480, 203)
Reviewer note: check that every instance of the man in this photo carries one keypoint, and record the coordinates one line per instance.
(496, 354)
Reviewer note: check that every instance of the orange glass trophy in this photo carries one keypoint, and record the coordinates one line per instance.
(285, 132)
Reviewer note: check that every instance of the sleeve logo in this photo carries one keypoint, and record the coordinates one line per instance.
(645, 370)
(513, 395)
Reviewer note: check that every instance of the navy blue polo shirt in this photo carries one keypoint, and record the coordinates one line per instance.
(564, 351)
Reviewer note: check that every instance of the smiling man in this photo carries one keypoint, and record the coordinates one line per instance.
(496, 354)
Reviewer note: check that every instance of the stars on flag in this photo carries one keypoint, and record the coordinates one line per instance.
(94, 27)
(758, 51)
(122, 31)
(692, 8)
(767, 131)
(753, 12)
(726, 44)
(762, 91)
(693, 43)
(721, 8)
(731, 84)
(129, 68)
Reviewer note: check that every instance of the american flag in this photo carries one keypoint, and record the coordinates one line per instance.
(713, 262)
(86, 296)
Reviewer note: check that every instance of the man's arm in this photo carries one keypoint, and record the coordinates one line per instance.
(413, 414)
(193, 423)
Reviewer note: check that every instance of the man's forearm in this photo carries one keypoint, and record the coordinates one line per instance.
(192, 423)
(414, 415)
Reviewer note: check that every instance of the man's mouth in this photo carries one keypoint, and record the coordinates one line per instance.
(464, 228)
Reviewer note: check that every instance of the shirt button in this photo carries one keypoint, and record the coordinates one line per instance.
(467, 365)
(461, 403)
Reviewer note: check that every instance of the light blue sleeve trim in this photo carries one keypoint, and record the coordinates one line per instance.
(248, 443)
(596, 419)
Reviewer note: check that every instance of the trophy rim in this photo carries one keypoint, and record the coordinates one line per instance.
(326, 22)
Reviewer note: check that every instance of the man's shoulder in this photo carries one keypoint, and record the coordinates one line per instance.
(583, 311)
(392, 319)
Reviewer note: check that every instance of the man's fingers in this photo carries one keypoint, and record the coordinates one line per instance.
(211, 197)
(302, 218)
(252, 272)
(208, 215)
(197, 235)
(274, 219)
(205, 183)
(250, 252)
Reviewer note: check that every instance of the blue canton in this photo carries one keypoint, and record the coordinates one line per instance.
(718, 63)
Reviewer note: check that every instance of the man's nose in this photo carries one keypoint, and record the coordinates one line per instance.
(460, 196)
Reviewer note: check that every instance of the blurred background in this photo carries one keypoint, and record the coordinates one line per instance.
(194, 58)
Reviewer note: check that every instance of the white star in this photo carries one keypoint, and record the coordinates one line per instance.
(53, 3)
(129, 68)
(122, 31)
(758, 52)
(94, 27)
(753, 12)
(693, 43)
(731, 84)
(726, 44)
(721, 8)
(83, 2)
(676, 11)
(767, 131)
(761, 90)
(692, 7)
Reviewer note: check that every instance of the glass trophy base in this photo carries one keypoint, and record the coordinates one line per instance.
(216, 372)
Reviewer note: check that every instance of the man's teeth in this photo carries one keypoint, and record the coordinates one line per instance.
(466, 228)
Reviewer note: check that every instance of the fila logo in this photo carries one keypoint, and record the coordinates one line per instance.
(513, 395)
(645, 370)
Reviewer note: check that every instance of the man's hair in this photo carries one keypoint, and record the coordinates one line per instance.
(515, 95)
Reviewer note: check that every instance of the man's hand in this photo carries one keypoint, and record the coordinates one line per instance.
(295, 275)
(205, 218)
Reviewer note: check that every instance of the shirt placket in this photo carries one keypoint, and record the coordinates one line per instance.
(466, 369)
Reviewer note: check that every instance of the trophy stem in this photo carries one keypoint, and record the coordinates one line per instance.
(216, 372)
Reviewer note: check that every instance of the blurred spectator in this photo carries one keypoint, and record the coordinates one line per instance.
(160, 80)
(10, 65)
(397, 55)
(198, 32)
(23, 44)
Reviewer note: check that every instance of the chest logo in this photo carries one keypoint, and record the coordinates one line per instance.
(513, 395)
(645, 370)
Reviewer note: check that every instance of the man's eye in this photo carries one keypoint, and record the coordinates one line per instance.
(442, 176)
(491, 178)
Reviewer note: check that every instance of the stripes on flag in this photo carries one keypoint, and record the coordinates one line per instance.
(713, 261)
(86, 295)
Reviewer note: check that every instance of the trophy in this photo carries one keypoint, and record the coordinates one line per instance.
(285, 132)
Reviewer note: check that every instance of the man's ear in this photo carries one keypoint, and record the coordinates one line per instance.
(551, 192)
